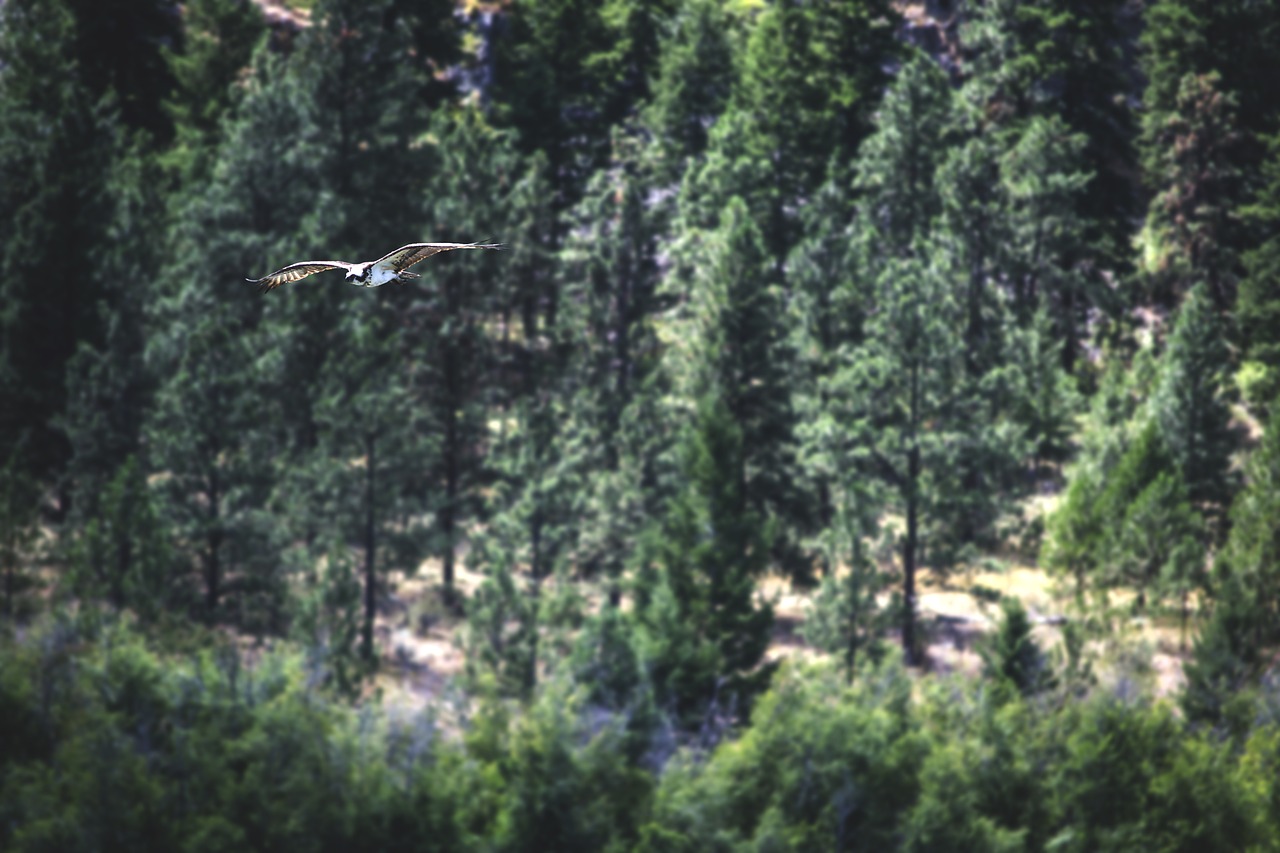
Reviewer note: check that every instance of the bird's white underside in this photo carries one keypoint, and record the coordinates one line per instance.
(380, 275)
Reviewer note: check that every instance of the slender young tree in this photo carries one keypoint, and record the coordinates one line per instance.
(703, 632)
(370, 446)
(1190, 403)
(731, 341)
(897, 394)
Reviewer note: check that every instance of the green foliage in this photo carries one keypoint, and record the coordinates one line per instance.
(1226, 659)
(1190, 403)
(123, 555)
(58, 141)
(823, 766)
(1189, 233)
(703, 631)
(1157, 539)
(809, 77)
(846, 617)
(692, 85)
(1065, 62)
(219, 40)
(774, 285)
(1258, 305)
(1011, 657)
(19, 512)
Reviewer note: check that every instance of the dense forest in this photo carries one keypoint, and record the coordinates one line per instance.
(811, 314)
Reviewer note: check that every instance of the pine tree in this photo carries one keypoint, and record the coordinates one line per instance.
(1190, 235)
(692, 85)
(228, 404)
(1253, 549)
(108, 386)
(1226, 659)
(846, 618)
(369, 437)
(1067, 62)
(702, 632)
(895, 396)
(1048, 254)
(19, 513)
(898, 164)
(1011, 655)
(123, 554)
(458, 371)
(731, 342)
(610, 277)
(811, 74)
(1158, 538)
(219, 38)
(1190, 403)
(1258, 305)
(564, 71)
(58, 141)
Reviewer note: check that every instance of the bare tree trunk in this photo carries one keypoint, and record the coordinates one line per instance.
(370, 544)
(213, 563)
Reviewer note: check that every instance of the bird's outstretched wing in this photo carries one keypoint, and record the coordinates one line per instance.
(407, 256)
(293, 272)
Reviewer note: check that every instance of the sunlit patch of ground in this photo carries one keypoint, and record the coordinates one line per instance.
(421, 658)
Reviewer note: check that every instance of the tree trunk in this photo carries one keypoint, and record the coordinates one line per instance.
(451, 451)
(370, 544)
(213, 564)
(909, 562)
(913, 509)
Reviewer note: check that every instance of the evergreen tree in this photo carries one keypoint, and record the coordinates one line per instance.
(19, 512)
(1048, 254)
(219, 38)
(229, 402)
(610, 281)
(1066, 62)
(213, 433)
(896, 395)
(730, 343)
(1157, 539)
(123, 554)
(1200, 37)
(898, 164)
(564, 71)
(1190, 405)
(328, 620)
(846, 617)
(1226, 658)
(702, 632)
(58, 141)
(692, 84)
(1258, 304)
(120, 49)
(368, 434)
(1253, 548)
(477, 188)
(810, 76)
(1190, 231)
(1011, 655)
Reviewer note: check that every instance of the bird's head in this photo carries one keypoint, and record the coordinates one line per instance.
(356, 273)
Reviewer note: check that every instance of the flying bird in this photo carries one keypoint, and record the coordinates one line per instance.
(390, 267)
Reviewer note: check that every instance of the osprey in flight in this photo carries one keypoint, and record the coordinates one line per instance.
(389, 267)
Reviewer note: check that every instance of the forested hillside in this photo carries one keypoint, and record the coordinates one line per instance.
(805, 311)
